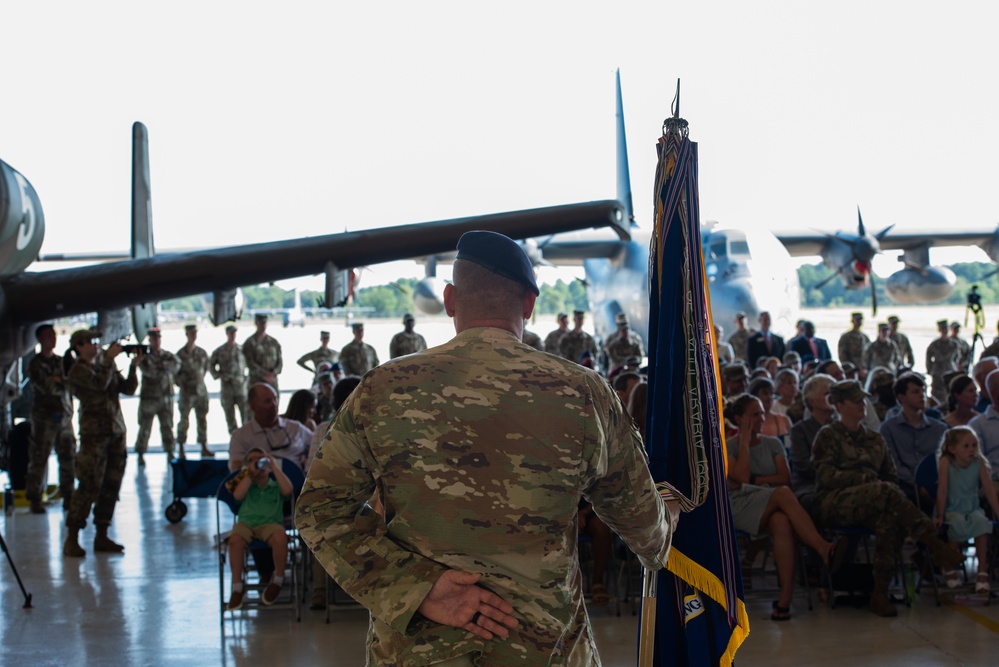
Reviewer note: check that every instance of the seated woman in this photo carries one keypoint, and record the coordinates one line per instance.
(302, 408)
(785, 389)
(775, 425)
(762, 502)
(815, 394)
(962, 396)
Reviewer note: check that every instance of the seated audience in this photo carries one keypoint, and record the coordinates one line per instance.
(962, 397)
(881, 389)
(774, 425)
(302, 408)
(821, 413)
(786, 389)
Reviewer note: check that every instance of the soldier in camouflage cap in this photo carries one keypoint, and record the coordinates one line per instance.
(902, 341)
(406, 341)
(576, 341)
(100, 464)
(853, 344)
(228, 365)
(883, 351)
(193, 392)
(479, 450)
(156, 395)
(942, 355)
(555, 335)
(858, 485)
(319, 355)
(263, 355)
(624, 344)
(357, 357)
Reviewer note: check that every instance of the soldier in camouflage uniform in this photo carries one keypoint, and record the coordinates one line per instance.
(963, 348)
(263, 355)
(51, 422)
(883, 352)
(853, 345)
(576, 341)
(357, 357)
(739, 339)
(319, 355)
(942, 355)
(156, 396)
(193, 392)
(228, 366)
(480, 464)
(902, 341)
(534, 340)
(553, 337)
(858, 485)
(406, 341)
(623, 345)
(100, 465)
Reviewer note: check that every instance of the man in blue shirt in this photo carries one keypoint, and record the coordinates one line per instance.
(911, 435)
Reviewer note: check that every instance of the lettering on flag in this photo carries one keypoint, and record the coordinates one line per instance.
(692, 607)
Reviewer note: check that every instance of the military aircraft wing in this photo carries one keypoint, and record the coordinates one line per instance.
(39, 296)
(808, 244)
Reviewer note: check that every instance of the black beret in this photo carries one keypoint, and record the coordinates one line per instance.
(500, 254)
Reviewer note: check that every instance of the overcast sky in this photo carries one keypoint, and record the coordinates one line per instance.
(272, 121)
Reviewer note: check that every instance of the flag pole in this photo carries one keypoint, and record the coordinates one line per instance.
(647, 639)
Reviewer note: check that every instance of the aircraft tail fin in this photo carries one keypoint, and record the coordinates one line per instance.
(143, 315)
(623, 174)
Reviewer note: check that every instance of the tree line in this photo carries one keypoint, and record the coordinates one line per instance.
(394, 299)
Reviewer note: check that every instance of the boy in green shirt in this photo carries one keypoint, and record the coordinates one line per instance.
(261, 516)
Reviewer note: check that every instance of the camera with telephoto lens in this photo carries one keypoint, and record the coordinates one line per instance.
(133, 349)
(263, 463)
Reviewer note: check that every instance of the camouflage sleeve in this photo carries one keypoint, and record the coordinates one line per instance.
(622, 490)
(302, 359)
(173, 363)
(85, 378)
(41, 379)
(213, 364)
(394, 347)
(827, 462)
(280, 361)
(887, 472)
(249, 353)
(350, 539)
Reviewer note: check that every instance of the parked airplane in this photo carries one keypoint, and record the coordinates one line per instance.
(748, 270)
(28, 298)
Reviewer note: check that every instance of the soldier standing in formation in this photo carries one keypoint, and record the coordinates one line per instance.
(553, 337)
(96, 382)
(624, 344)
(263, 355)
(902, 341)
(193, 392)
(357, 357)
(228, 366)
(534, 340)
(156, 395)
(317, 356)
(941, 357)
(883, 351)
(739, 339)
(576, 341)
(853, 345)
(963, 348)
(51, 422)
(406, 341)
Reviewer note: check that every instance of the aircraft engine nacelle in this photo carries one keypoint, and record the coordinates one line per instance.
(22, 224)
(920, 285)
(428, 296)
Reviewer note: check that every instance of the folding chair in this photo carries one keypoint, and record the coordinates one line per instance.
(291, 597)
(744, 539)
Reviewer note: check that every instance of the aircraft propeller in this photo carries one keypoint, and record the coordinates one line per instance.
(855, 254)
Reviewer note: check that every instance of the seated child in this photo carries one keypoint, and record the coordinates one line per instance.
(261, 516)
(963, 473)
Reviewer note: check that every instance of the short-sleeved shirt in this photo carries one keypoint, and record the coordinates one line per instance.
(262, 505)
(287, 439)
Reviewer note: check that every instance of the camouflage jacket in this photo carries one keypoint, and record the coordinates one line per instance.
(883, 353)
(843, 460)
(738, 342)
(852, 347)
(158, 369)
(942, 355)
(573, 344)
(480, 451)
(357, 358)
(316, 357)
(619, 350)
(49, 392)
(97, 387)
(406, 343)
(262, 357)
(552, 340)
(228, 364)
(193, 366)
(963, 352)
(904, 348)
(534, 340)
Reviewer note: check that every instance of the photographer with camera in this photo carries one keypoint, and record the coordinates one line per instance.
(261, 516)
(96, 382)
(156, 396)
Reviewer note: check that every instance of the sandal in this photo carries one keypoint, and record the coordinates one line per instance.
(982, 584)
(780, 613)
(599, 595)
(953, 578)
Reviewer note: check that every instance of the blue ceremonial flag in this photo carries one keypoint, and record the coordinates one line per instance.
(700, 614)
